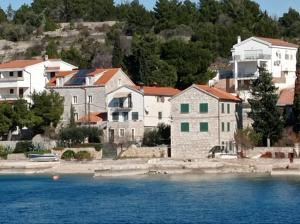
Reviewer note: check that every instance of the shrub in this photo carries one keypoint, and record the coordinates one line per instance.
(158, 136)
(3, 152)
(83, 155)
(68, 155)
(58, 148)
(24, 147)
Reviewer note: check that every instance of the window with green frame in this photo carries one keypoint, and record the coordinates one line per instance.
(203, 107)
(228, 126)
(185, 127)
(223, 108)
(228, 108)
(135, 116)
(223, 126)
(184, 108)
(203, 126)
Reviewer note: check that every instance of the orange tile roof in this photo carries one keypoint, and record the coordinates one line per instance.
(278, 42)
(19, 63)
(158, 91)
(96, 71)
(222, 95)
(286, 97)
(92, 117)
(107, 75)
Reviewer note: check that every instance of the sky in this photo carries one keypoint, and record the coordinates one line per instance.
(274, 7)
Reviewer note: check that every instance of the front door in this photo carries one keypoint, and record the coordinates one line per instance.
(21, 92)
(111, 135)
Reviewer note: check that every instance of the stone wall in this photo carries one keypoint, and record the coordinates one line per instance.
(95, 154)
(256, 151)
(16, 156)
(143, 152)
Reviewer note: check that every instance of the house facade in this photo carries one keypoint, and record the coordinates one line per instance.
(132, 110)
(20, 78)
(278, 57)
(203, 117)
(84, 92)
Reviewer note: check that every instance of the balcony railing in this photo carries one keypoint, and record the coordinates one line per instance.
(11, 79)
(121, 108)
(9, 97)
(251, 57)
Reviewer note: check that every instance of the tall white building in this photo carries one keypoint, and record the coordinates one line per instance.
(278, 57)
(20, 78)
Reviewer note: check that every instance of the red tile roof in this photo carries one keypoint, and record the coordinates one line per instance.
(106, 76)
(19, 63)
(96, 71)
(92, 117)
(286, 97)
(278, 42)
(158, 91)
(222, 95)
(65, 73)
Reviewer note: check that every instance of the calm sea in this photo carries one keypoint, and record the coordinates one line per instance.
(167, 199)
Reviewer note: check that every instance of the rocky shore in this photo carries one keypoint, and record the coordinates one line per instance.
(129, 167)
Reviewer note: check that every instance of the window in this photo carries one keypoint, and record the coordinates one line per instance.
(11, 91)
(21, 92)
(52, 74)
(74, 99)
(125, 116)
(223, 126)
(185, 127)
(184, 108)
(11, 74)
(159, 115)
(203, 127)
(76, 116)
(121, 132)
(135, 116)
(228, 108)
(228, 126)
(132, 134)
(223, 108)
(203, 108)
(286, 57)
(160, 99)
(20, 74)
(90, 99)
(115, 116)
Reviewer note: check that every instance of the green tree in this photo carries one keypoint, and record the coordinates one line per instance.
(2, 16)
(117, 54)
(49, 107)
(264, 112)
(50, 25)
(51, 49)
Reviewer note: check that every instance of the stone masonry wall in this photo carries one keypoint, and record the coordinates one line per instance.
(144, 152)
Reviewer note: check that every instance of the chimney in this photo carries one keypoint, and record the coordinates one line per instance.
(45, 57)
(239, 39)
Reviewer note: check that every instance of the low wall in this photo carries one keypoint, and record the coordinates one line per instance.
(95, 154)
(16, 156)
(143, 152)
(260, 150)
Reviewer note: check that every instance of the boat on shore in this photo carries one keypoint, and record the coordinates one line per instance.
(48, 157)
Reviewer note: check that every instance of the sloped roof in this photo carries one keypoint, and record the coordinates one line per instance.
(286, 97)
(277, 42)
(106, 76)
(92, 117)
(220, 94)
(158, 91)
(19, 63)
(52, 81)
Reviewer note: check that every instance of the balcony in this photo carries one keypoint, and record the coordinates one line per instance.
(252, 57)
(11, 79)
(9, 97)
(249, 76)
(121, 108)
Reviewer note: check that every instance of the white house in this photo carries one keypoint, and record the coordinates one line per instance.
(20, 78)
(134, 109)
(277, 56)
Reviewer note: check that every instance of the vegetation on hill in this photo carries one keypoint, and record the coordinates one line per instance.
(173, 44)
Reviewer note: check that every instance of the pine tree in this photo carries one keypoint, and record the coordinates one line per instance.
(264, 112)
(117, 54)
(296, 106)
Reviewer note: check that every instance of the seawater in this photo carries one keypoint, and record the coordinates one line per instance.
(149, 199)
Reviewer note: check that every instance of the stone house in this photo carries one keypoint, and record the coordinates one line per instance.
(134, 109)
(203, 117)
(85, 90)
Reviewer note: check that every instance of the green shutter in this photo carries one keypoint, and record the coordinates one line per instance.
(223, 126)
(228, 108)
(223, 108)
(184, 108)
(203, 108)
(135, 116)
(228, 126)
(185, 127)
(203, 127)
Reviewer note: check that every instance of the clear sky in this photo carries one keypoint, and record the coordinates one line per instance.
(274, 7)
